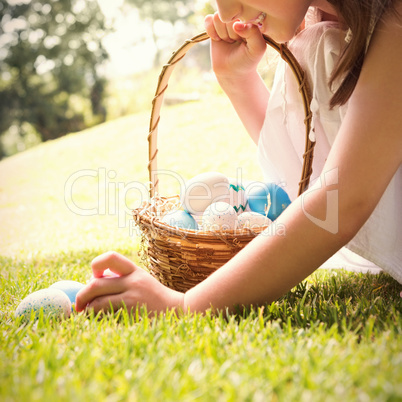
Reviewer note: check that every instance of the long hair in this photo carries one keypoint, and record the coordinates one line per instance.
(360, 16)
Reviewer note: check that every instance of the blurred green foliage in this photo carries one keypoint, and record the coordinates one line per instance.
(171, 11)
(51, 53)
(53, 65)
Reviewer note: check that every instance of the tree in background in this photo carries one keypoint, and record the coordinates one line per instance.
(50, 59)
(171, 11)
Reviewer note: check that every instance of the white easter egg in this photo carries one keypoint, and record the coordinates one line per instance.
(237, 196)
(203, 190)
(219, 216)
(252, 220)
(70, 288)
(54, 302)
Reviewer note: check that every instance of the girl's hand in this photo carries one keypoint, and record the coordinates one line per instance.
(130, 286)
(236, 48)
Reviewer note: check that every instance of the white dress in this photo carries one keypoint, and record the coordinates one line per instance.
(281, 146)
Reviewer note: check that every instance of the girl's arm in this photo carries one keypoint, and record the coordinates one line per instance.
(365, 156)
(236, 50)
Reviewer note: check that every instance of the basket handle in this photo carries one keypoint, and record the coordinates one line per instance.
(157, 101)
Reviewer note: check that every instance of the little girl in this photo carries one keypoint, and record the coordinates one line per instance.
(351, 51)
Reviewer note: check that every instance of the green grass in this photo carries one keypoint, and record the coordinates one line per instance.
(336, 336)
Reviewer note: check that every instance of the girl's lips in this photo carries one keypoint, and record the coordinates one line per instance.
(259, 20)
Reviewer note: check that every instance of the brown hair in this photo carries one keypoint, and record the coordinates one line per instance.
(359, 16)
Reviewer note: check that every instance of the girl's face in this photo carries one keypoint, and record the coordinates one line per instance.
(282, 17)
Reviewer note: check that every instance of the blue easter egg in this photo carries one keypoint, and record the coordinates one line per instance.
(70, 288)
(180, 219)
(259, 195)
(54, 303)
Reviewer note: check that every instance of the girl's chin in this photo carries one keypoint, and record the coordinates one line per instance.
(279, 37)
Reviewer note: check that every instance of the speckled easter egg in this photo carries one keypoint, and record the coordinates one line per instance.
(203, 190)
(237, 196)
(252, 220)
(267, 199)
(219, 216)
(180, 219)
(70, 288)
(54, 302)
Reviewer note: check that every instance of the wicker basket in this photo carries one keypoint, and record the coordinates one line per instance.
(180, 258)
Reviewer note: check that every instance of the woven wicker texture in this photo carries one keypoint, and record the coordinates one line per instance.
(180, 258)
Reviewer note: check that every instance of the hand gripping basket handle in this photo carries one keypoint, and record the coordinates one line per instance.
(164, 76)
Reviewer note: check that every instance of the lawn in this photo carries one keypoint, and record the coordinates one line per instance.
(336, 336)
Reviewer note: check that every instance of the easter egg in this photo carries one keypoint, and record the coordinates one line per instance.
(180, 219)
(54, 302)
(267, 199)
(237, 196)
(203, 190)
(70, 288)
(252, 220)
(219, 216)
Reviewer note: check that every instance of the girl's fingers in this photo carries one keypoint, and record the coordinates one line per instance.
(210, 28)
(104, 303)
(232, 33)
(222, 29)
(252, 36)
(99, 287)
(218, 30)
(113, 261)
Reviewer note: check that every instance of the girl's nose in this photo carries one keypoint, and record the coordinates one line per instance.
(228, 10)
